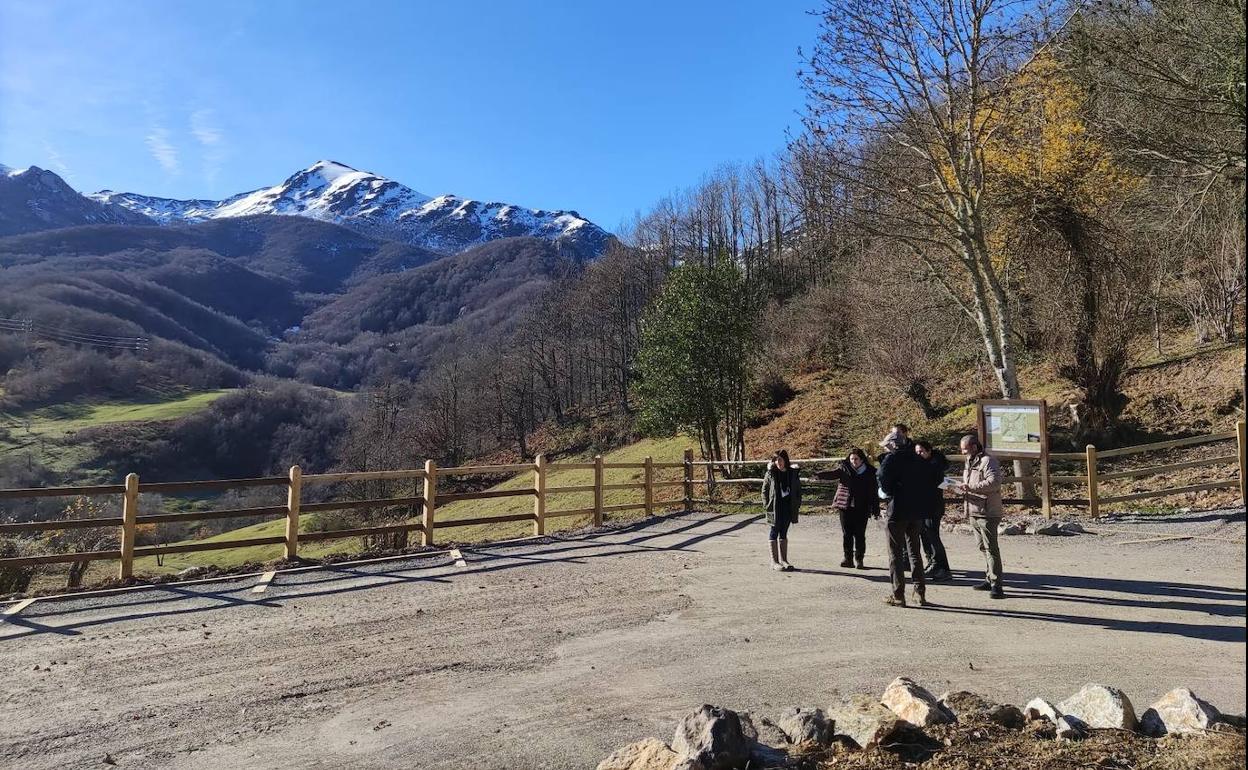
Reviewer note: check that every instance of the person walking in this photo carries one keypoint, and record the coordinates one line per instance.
(782, 497)
(981, 494)
(904, 479)
(857, 500)
(933, 548)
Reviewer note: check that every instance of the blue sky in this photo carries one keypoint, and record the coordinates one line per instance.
(602, 107)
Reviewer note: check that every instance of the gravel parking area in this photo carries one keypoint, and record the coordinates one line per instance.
(550, 654)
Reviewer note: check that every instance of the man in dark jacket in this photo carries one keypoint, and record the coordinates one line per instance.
(933, 547)
(905, 478)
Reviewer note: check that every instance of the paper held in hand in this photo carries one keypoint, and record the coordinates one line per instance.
(950, 483)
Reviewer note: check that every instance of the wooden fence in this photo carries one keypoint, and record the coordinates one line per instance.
(430, 498)
(296, 481)
(1045, 482)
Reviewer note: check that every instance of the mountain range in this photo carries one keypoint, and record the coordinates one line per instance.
(36, 199)
(335, 277)
(379, 207)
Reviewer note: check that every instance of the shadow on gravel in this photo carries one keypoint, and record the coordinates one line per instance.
(220, 599)
(482, 559)
(1203, 599)
(1191, 630)
(1039, 582)
(156, 602)
(1191, 517)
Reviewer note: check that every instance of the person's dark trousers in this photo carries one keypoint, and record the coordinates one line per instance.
(904, 539)
(933, 548)
(853, 535)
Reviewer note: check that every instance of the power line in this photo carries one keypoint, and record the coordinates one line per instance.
(29, 328)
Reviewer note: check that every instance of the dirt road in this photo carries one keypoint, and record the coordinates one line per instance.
(550, 655)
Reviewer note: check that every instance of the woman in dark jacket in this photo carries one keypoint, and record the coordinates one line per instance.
(857, 499)
(937, 560)
(782, 496)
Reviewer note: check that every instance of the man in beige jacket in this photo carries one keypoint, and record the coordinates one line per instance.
(981, 493)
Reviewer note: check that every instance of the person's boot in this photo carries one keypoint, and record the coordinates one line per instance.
(894, 601)
(858, 561)
(848, 561)
(997, 593)
(940, 574)
(775, 556)
(784, 556)
(920, 597)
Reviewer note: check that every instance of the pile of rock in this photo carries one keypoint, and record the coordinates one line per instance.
(1179, 712)
(716, 738)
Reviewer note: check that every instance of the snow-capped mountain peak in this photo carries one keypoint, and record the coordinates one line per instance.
(328, 190)
(372, 204)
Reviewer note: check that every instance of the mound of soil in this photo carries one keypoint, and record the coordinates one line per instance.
(978, 745)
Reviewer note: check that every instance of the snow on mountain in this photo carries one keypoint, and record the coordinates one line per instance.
(165, 211)
(374, 205)
(34, 199)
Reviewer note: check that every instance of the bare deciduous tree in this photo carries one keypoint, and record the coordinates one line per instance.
(901, 98)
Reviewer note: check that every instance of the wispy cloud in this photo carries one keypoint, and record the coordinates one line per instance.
(162, 149)
(211, 137)
(57, 160)
(202, 126)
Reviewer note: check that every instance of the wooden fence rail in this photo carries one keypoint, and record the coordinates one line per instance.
(427, 502)
(1091, 458)
(428, 498)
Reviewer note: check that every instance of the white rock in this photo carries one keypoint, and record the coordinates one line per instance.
(1100, 707)
(914, 704)
(864, 720)
(648, 754)
(1179, 712)
(1039, 708)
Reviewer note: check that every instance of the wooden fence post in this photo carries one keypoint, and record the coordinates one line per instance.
(1242, 438)
(431, 502)
(688, 480)
(649, 481)
(539, 496)
(294, 492)
(597, 490)
(1046, 489)
(129, 514)
(1093, 504)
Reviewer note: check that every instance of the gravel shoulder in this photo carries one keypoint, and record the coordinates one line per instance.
(552, 654)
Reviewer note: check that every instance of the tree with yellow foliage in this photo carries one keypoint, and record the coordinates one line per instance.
(1060, 196)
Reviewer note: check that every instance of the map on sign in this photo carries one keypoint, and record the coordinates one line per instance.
(1013, 428)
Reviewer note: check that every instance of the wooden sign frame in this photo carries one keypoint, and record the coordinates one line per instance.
(981, 422)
